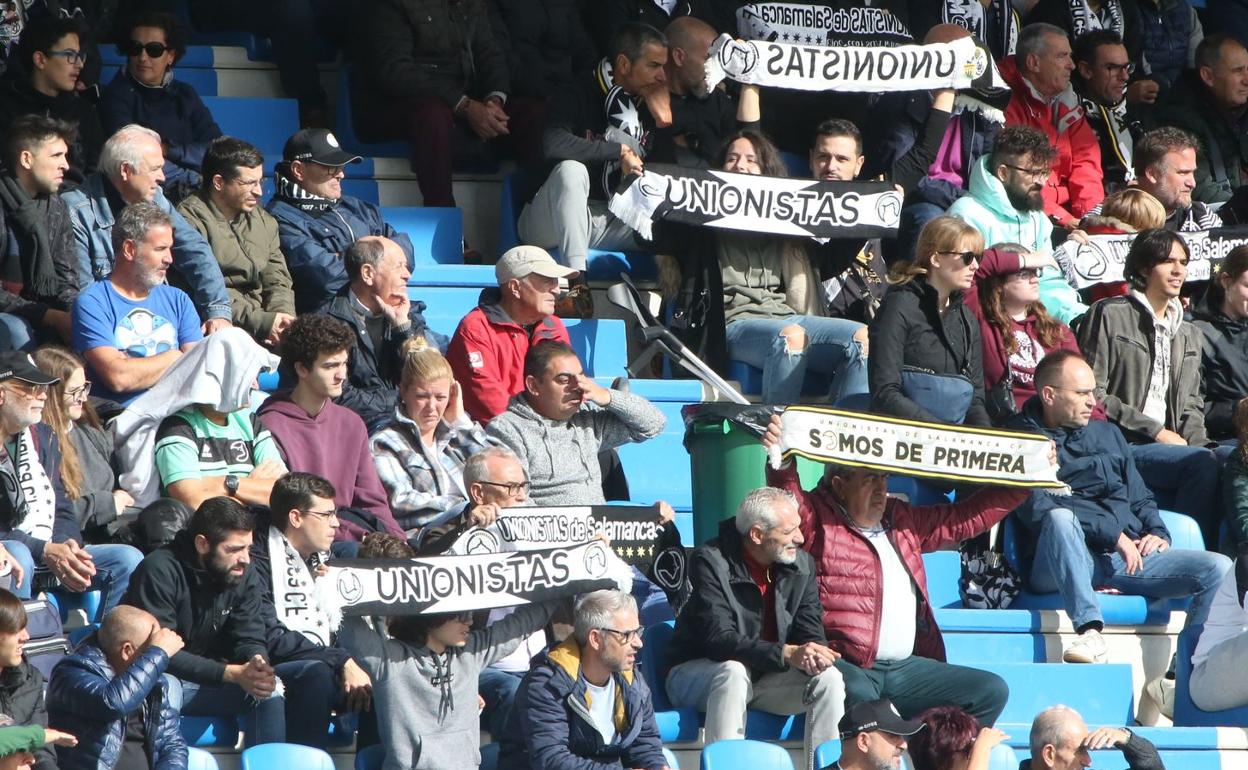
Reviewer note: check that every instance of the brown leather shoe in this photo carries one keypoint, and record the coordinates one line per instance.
(578, 302)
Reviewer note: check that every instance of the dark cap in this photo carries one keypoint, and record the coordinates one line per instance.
(318, 145)
(16, 365)
(873, 715)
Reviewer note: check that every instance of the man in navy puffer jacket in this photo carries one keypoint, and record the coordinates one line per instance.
(112, 694)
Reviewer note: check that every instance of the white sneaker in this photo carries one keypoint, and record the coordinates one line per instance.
(1161, 690)
(1088, 647)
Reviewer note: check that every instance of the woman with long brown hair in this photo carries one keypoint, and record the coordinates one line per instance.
(86, 451)
(1014, 327)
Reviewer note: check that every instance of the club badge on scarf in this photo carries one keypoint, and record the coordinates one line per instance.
(757, 204)
(929, 450)
(1101, 259)
(466, 583)
(960, 64)
(820, 25)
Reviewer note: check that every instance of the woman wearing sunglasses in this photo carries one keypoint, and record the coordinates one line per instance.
(145, 92)
(926, 354)
(1014, 326)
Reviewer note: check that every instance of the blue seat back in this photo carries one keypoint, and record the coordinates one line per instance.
(653, 652)
(1002, 758)
(266, 123)
(437, 233)
(370, 757)
(344, 124)
(745, 755)
(944, 569)
(827, 752)
(286, 755)
(670, 759)
(1184, 531)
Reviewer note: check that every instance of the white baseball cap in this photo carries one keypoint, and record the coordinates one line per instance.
(521, 261)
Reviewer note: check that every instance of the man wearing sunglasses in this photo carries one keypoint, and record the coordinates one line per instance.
(51, 51)
(1039, 76)
(1102, 71)
(584, 704)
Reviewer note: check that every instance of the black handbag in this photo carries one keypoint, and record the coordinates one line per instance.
(999, 400)
(988, 582)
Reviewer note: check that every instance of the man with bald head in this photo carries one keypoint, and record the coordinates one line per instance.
(1107, 531)
(114, 683)
(701, 119)
(375, 304)
(131, 171)
(1061, 741)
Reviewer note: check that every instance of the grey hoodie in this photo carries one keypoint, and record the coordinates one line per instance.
(426, 725)
(562, 457)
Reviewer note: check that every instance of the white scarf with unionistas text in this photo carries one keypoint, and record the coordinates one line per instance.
(294, 594)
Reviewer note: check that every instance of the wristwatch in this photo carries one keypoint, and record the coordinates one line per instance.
(231, 486)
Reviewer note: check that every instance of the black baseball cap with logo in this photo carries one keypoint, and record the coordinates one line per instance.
(318, 145)
(870, 716)
(16, 365)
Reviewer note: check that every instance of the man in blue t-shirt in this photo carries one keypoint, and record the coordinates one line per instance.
(131, 327)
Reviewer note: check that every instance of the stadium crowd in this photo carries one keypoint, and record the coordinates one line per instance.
(147, 281)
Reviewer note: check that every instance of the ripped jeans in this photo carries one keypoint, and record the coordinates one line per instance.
(830, 349)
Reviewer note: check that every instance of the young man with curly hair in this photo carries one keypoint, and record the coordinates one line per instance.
(317, 436)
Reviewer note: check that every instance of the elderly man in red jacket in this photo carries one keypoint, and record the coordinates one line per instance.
(1039, 76)
(868, 551)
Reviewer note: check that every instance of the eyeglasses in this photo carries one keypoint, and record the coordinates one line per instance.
(1027, 273)
(967, 256)
(70, 55)
(624, 636)
(1115, 69)
(28, 390)
(79, 393)
(327, 515)
(134, 48)
(1034, 173)
(513, 487)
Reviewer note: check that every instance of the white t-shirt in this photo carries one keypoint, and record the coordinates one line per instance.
(518, 661)
(899, 606)
(602, 708)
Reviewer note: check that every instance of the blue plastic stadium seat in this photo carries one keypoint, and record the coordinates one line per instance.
(659, 469)
(1186, 713)
(210, 731)
(266, 123)
(204, 81)
(198, 759)
(602, 265)
(745, 755)
(675, 724)
(944, 569)
(286, 755)
(1101, 693)
(1003, 758)
(344, 125)
(827, 752)
(437, 233)
(68, 601)
(1117, 609)
(370, 757)
(476, 277)
(670, 758)
(364, 189)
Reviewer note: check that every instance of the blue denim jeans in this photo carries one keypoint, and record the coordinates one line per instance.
(498, 688)
(830, 349)
(1183, 479)
(300, 715)
(16, 333)
(1064, 563)
(113, 566)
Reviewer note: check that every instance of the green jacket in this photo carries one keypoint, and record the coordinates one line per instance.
(251, 262)
(1222, 153)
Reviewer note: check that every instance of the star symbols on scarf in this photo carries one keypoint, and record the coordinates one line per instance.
(627, 118)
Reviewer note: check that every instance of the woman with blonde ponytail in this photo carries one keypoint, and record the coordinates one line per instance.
(420, 453)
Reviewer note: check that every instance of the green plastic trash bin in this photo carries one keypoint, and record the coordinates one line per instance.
(727, 463)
